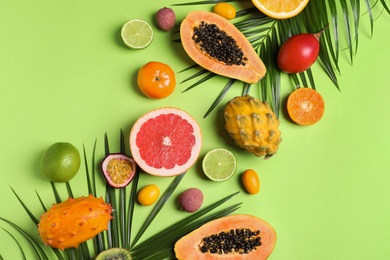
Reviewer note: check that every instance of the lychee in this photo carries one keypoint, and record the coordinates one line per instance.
(191, 200)
(165, 18)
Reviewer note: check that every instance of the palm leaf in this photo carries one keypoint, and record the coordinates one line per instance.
(164, 248)
(200, 81)
(160, 203)
(122, 199)
(186, 221)
(37, 248)
(156, 245)
(113, 227)
(55, 191)
(119, 233)
(41, 201)
(220, 96)
(132, 201)
(261, 30)
(387, 8)
(369, 11)
(98, 241)
(91, 180)
(17, 242)
(30, 214)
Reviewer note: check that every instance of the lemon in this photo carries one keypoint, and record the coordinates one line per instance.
(219, 164)
(60, 162)
(137, 34)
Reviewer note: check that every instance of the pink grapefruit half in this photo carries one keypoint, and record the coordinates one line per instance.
(165, 141)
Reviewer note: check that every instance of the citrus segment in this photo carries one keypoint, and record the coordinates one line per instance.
(219, 164)
(280, 9)
(305, 106)
(165, 141)
(137, 34)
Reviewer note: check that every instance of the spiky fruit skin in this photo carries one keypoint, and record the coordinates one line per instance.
(74, 221)
(253, 125)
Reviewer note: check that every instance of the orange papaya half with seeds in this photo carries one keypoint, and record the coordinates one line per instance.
(217, 45)
(232, 237)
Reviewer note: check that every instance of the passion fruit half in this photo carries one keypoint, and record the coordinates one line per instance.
(118, 169)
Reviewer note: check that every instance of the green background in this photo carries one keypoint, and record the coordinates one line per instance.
(65, 75)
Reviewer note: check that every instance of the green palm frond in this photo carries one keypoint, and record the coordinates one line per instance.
(167, 238)
(164, 198)
(267, 35)
(35, 245)
(119, 233)
(16, 241)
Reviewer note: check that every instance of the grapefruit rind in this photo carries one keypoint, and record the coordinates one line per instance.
(164, 171)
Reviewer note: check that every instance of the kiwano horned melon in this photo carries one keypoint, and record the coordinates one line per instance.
(232, 237)
(253, 125)
(74, 221)
(218, 46)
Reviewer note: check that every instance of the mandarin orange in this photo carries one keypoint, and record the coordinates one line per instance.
(305, 106)
(156, 80)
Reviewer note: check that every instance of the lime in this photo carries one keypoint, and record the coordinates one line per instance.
(60, 162)
(219, 164)
(137, 34)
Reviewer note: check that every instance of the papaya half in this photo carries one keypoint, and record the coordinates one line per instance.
(238, 236)
(217, 45)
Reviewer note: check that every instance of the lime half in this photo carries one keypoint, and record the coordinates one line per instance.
(137, 34)
(219, 164)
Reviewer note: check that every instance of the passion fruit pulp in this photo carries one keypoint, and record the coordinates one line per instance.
(118, 169)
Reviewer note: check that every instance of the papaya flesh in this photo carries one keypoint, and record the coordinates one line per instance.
(238, 236)
(217, 45)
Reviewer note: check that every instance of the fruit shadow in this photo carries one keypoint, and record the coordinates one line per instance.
(118, 38)
(134, 83)
(37, 165)
(222, 132)
(283, 110)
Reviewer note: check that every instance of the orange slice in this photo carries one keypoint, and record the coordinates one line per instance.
(280, 9)
(305, 106)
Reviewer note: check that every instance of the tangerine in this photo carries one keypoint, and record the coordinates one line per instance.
(156, 80)
(305, 106)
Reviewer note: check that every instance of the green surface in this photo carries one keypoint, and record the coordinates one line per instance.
(66, 76)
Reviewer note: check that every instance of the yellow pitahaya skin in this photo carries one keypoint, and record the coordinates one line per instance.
(74, 221)
(253, 125)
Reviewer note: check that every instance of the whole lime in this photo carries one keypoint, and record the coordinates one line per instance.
(60, 162)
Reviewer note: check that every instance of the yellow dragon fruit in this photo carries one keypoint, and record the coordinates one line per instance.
(74, 221)
(253, 125)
